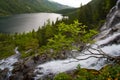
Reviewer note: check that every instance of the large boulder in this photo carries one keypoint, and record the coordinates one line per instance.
(24, 69)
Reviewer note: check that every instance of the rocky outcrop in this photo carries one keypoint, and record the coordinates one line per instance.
(24, 69)
(111, 26)
(28, 68)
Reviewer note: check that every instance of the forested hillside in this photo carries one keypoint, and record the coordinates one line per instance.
(48, 53)
(26, 6)
(67, 11)
(93, 14)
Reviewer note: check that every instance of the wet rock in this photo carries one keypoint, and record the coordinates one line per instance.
(29, 76)
(44, 58)
(29, 63)
(112, 24)
(25, 74)
(16, 76)
(38, 72)
(60, 57)
(49, 76)
(36, 58)
(118, 5)
(116, 41)
(24, 69)
(115, 21)
(4, 74)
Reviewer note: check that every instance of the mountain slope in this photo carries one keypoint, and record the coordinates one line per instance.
(92, 14)
(26, 6)
(67, 11)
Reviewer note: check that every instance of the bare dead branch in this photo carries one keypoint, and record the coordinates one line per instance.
(83, 59)
(99, 55)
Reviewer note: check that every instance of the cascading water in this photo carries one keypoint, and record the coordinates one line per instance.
(108, 40)
(90, 63)
(8, 62)
(6, 65)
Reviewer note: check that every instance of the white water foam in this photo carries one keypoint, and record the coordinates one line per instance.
(117, 3)
(58, 66)
(8, 62)
(113, 50)
(108, 39)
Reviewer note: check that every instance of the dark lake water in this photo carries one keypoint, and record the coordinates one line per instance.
(25, 22)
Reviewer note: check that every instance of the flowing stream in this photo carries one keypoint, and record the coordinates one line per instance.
(58, 66)
(107, 41)
(8, 62)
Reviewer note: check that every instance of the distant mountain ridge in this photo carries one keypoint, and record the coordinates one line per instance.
(26, 6)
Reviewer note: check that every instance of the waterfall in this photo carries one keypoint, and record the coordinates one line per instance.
(8, 62)
(108, 40)
(71, 63)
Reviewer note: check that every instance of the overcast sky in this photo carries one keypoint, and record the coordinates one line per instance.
(73, 3)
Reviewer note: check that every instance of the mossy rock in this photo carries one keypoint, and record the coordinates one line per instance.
(63, 76)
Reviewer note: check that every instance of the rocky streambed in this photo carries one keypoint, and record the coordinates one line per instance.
(39, 67)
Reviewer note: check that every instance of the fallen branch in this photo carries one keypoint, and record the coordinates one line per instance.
(98, 53)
